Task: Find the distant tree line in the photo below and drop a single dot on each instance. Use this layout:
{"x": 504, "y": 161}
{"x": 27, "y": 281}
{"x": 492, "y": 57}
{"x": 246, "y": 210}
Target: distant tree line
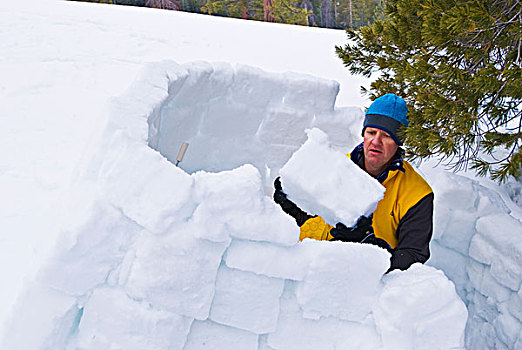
{"x": 339, "y": 14}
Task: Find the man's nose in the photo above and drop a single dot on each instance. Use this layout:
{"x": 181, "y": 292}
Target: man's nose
{"x": 377, "y": 139}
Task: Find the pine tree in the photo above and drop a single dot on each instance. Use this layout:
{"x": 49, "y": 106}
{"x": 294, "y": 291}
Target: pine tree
{"x": 227, "y": 8}
{"x": 458, "y": 65}
{"x": 280, "y": 11}
{"x": 289, "y": 11}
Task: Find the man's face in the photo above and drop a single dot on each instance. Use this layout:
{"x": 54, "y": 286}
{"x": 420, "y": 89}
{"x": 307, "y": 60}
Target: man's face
{"x": 379, "y": 149}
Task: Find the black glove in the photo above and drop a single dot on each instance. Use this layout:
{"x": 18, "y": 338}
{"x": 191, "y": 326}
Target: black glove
{"x": 371, "y": 239}
{"x": 358, "y": 233}
{"x": 362, "y": 232}
{"x": 288, "y": 206}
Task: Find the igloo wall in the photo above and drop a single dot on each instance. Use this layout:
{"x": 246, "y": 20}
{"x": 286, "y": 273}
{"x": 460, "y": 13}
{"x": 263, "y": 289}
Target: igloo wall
{"x": 171, "y": 257}
{"x": 242, "y": 115}
{"x": 477, "y": 244}
{"x": 266, "y": 134}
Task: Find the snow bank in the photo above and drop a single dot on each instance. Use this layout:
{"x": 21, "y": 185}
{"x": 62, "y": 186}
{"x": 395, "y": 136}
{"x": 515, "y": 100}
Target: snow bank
{"x": 200, "y": 256}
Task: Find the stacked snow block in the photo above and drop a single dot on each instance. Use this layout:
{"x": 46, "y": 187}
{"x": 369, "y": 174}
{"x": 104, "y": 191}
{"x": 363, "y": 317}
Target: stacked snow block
{"x": 482, "y": 257}
{"x": 169, "y": 259}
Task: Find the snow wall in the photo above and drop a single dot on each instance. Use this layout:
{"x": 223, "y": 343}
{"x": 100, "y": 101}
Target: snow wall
{"x": 199, "y": 256}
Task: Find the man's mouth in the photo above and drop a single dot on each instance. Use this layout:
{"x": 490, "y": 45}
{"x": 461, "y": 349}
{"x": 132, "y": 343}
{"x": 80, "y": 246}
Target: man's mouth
{"x": 375, "y": 151}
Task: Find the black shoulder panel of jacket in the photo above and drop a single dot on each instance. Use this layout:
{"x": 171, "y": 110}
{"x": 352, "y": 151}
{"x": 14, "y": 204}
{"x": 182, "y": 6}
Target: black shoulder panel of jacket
{"x": 414, "y": 235}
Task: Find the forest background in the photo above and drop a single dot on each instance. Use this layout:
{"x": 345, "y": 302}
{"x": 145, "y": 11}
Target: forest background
{"x": 338, "y": 14}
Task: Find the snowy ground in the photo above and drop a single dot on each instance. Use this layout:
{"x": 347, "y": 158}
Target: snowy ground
{"x": 100, "y": 229}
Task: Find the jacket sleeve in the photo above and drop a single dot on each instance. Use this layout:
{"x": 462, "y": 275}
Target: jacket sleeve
{"x": 414, "y": 235}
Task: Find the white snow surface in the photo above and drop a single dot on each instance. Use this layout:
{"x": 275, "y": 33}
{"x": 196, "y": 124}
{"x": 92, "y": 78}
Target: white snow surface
{"x": 107, "y": 244}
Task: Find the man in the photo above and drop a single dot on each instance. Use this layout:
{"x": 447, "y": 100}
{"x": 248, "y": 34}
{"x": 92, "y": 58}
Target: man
{"x": 403, "y": 220}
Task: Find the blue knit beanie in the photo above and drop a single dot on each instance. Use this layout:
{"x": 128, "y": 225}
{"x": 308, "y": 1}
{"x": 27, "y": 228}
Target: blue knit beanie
{"x": 387, "y": 113}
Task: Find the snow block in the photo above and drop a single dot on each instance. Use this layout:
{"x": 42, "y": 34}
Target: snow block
{"x": 414, "y": 309}
{"x": 112, "y": 320}
{"x": 484, "y": 307}
{"x": 322, "y": 181}
{"x": 341, "y": 282}
{"x": 247, "y": 301}
{"x": 176, "y": 272}
{"x": 234, "y": 193}
{"x": 90, "y": 252}
{"x": 490, "y": 202}
{"x": 130, "y": 110}
{"x": 284, "y": 126}
{"x": 269, "y": 259}
{"x": 301, "y": 87}
{"x": 481, "y": 334}
{"x": 502, "y": 237}
{"x": 233, "y": 203}
{"x": 508, "y": 329}
{"x": 297, "y": 333}
{"x": 273, "y": 225}
{"x": 241, "y": 119}
{"x": 515, "y": 305}
{"x": 277, "y": 156}
{"x": 343, "y": 125}
{"x": 214, "y": 336}
{"x": 257, "y": 88}
{"x": 454, "y": 265}
{"x": 455, "y": 190}
{"x": 496, "y": 246}
{"x": 455, "y": 228}
{"x": 147, "y": 187}
{"x": 204, "y": 82}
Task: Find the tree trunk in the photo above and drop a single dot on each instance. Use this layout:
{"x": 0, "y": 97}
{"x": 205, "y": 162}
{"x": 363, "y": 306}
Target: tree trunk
{"x": 267, "y": 10}
{"x": 163, "y": 4}
{"x": 308, "y": 6}
{"x": 244, "y": 9}
{"x": 326, "y": 14}
{"x": 350, "y": 13}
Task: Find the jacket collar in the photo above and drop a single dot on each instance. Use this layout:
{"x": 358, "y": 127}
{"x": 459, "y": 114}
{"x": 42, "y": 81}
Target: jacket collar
{"x": 357, "y": 156}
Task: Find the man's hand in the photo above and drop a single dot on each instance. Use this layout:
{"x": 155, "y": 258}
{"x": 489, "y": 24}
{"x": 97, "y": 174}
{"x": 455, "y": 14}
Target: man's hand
{"x": 279, "y": 195}
{"x": 362, "y": 232}
{"x": 358, "y": 233}
{"x": 287, "y": 205}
